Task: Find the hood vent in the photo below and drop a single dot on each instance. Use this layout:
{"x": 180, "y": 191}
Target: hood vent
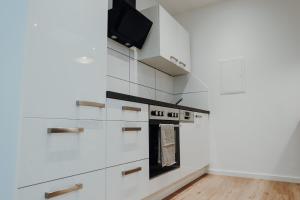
{"x": 127, "y": 25}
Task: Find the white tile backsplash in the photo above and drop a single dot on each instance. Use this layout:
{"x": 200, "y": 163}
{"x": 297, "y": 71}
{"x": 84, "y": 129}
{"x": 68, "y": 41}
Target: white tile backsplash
{"x": 164, "y": 82}
{"x": 117, "y": 47}
{"x": 117, "y": 85}
{"x": 128, "y": 76}
{"x": 197, "y": 100}
{"x": 141, "y": 91}
{"x": 165, "y": 97}
{"x": 187, "y": 84}
{"x": 142, "y": 74}
{"x": 118, "y": 65}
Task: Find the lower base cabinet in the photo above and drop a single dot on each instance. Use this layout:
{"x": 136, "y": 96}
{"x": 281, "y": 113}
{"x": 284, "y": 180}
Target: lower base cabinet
{"x": 90, "y": 186}
{"x": 128, "y": 182}
{"x": 194, "y": 144}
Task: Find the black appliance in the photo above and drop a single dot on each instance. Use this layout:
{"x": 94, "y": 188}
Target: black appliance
{"x": 127, "y": 25}
{"x": 162, "y": 115}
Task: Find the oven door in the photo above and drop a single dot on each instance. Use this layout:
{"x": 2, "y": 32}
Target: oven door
{"x": 155, "y": 167}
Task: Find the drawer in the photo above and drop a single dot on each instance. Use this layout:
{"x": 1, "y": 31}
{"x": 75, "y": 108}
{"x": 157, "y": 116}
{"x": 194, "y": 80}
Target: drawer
{"x": 47, "y": 156}
{"x": 84, "y": 187}
{"x": 126, "y": 142}
{"x": 66, "y": 106}
{"x": 128, "y": 182}
{"x": 128, "y": 111}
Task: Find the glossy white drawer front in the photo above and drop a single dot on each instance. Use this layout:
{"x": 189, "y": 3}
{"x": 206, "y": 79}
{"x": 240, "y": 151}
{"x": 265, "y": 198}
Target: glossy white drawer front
{"x": 126, "y": 142}
{"x": 65, "y": 58}
{"x": 47, "y": 156}
{"x": 128, "y": 182}
{"x": 127, "y": 111}
{"x": 89, "y": 186}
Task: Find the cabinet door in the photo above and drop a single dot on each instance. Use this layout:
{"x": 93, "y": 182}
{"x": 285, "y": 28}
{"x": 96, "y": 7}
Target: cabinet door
{"x": 188, "y": 148}
{"x": 201, "y": 131}
{"x": 89, "y": 186}
{"x": 128, "y": 182}
{"x": 75, "y": 147}
{"x": 130, "y": 142}
{"x": 194, "y": 144}
{"x": 65, "y": 59}
{"x": 184, "y": 52}
{"x": 168, "y": 36}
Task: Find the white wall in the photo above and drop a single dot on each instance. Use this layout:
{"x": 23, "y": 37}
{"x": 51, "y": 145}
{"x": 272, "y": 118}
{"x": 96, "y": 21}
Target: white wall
{"x": 259, "y": 131}
{"x": 12, "y": 23}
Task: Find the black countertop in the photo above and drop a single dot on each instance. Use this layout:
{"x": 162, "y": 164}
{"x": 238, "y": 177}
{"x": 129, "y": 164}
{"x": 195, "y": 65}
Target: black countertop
{"x": 125, "y": 97}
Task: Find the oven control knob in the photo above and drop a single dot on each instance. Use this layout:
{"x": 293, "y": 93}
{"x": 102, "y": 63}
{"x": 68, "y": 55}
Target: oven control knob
{"x": 177, "y": 115}
{"x": 154, "y": 113}
{"x": 162, "y": 113}
{"x": 169, "y": 114}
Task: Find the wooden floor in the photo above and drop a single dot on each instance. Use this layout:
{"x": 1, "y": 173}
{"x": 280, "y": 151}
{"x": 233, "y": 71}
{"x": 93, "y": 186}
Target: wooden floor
{"x": 213, "y": 187}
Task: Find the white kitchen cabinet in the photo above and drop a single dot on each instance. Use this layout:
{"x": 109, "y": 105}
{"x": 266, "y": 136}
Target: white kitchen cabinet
{"x": 167, "y": 47}
{"x": 128, "y": 142}
{"x": 126, "y": 111}
{"x": 194, "y": 144}
{"x": 65, "y": 58}
{"x": 84, "y": 187}
{"x": 77, "y": 146}
{"x": 128, "y": 182}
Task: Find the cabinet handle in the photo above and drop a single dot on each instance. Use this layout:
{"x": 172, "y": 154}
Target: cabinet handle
{"x": 198, "y": 116}
{"x": 131, "y": 171}
{"x": 181, "y": 63}
{"x": 90, "y": 104}
{"x": 172, "y": 57}
{"x": 62, "y": 192}
{"x": 65, "y": 130}
{"x": 127, "y": 108}
{"x": 125, "y": 129}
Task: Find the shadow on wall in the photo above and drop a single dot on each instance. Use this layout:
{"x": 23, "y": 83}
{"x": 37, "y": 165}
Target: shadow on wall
{"x": 193, "y": 91}
{"x": 289, "y": 162}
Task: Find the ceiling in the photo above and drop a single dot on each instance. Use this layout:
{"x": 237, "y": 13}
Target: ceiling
{"x": 180, "y": 6}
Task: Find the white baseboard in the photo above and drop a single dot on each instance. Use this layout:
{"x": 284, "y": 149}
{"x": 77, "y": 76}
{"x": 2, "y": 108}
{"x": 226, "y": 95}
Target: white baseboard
{"x": 262, "y": 176}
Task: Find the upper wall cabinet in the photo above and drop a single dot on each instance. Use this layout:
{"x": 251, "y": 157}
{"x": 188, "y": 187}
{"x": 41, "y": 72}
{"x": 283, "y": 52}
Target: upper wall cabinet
{"x": 65, "y": 59}
{"x": 167, "y": 47}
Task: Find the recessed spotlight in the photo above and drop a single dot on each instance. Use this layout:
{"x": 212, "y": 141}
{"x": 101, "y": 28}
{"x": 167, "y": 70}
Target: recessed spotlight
{"x": 127, "y": 44}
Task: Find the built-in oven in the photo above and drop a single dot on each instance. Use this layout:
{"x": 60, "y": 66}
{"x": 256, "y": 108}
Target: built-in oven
{"x": 159, "y": 116}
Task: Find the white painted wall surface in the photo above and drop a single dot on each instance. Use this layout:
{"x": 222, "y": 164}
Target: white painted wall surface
{"x": 256, "y": 133}
{"x": 12, "y": 21}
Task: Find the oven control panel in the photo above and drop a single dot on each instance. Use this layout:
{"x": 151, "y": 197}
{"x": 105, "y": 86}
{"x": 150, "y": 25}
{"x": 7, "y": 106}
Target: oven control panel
{"x": 186, "y": 116}
{"x": 163, "y": 113}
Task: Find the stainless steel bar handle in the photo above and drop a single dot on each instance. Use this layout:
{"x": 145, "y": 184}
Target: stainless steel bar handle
{"x": 90, "y": 104}
{"x": 175, "y": 126}
{"x": 183, "y": 64}
{"x": 50, "y": 195}
{"x": 65, "y": 130}
{"x": 125, "y": 129}
{"x": 131, "y": 171}
{"x": 172, "y": 57}
{"x": 198, "y": 116}
{"x": 128, "y": 108}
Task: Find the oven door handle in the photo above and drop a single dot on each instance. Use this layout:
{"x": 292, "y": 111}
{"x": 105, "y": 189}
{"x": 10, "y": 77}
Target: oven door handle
{"x": 175, "y": 126}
